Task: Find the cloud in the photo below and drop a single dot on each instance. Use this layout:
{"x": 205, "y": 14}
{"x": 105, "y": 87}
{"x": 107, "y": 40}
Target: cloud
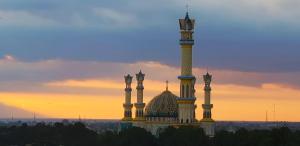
{"x": 67, "y": 89}
{"x": 9, "y": 112}
{"x": 116, "y": 13}
{"x": 234, "y": 102}
{"x": 68, "y": 49}
{"x": 65, "y": 105}
{"x": 91, "y": 76}
{"x": 269, "y": 11}
{"x": 229, "y": 34}
{"x": 7, "y": 58}
{"x": 23, "y": 18}
{"x": 115, "y": 19}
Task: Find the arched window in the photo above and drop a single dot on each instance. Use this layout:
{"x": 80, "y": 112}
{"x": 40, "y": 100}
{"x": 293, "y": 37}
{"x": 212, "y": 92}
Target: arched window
{"x": 182, "y": 91}
{"x": 187, "y": 120}
{"x": 187, "y": 91}
{"x": 181, "y": 121}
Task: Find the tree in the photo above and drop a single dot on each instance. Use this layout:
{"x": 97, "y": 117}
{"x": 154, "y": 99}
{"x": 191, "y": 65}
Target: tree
{"x": 183, "y": 136}
{"x": 136, "y": 137}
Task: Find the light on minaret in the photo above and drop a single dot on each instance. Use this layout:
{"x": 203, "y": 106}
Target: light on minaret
{"x": 128, "y": 105}
{"x": 186, "y": 101}
{"x": 139, "y": 105}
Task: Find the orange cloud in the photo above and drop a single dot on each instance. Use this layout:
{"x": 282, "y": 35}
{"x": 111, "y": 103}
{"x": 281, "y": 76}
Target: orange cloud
{"x": 151, "y": 85}
{"x": 107, "y": 84}
{"x": 64, "y": 106}
{"x": 231, "y": 102}
{"x": 99, "y": 93}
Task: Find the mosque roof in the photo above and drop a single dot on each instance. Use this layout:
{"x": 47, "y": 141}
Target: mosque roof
{"x": 163, "y": 105}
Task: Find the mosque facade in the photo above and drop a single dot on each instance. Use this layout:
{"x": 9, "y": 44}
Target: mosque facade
{"x": 168, "y": 109}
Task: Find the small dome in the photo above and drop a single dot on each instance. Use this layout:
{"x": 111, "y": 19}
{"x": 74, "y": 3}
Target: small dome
{"x": 163, "y": 105}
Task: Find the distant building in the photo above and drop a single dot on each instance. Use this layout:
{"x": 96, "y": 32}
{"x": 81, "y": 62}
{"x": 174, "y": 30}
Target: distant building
{"x": 168, "y": 109}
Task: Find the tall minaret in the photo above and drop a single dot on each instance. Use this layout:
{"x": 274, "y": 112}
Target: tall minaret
{"x": 207, "y": 106}
{"x": 139, "y": 105}
{"x": 186, "y": 101}
{"x": 207, "y": 123}
{"x": 128, "y": 105}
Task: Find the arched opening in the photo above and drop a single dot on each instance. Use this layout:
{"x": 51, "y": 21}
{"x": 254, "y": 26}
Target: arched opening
{"x": 187, "y": 91}
{"x": 182, "y": 91}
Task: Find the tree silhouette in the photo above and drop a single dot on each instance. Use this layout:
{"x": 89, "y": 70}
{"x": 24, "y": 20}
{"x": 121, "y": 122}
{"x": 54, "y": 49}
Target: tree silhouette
{"x": 183, "y": 136}
{"x": 77, "y": 134}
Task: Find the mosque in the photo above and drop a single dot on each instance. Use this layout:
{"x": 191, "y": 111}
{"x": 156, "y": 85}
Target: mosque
{"x": 168, "y": 109}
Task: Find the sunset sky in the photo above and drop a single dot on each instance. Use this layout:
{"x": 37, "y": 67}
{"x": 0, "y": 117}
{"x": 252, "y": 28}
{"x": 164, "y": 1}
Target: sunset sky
{"x": 65, "y": 59}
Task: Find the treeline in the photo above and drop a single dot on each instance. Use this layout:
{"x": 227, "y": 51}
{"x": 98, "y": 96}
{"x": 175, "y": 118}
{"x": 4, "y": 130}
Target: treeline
{"x": 78, "y": 135}
{"x": 48, "y": 135}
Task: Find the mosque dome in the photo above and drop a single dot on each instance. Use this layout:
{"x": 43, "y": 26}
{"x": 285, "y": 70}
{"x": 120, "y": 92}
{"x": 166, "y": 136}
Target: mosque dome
{"x": 163, "y": 105}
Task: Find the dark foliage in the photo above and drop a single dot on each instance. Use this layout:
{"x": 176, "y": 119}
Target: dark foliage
{"x": 50, "y": 135}
{"x": 78, "y": 135}
{"x": 183, "y": 136}
{"x": 130, "y": 137}
{"x": 275, "y": 137}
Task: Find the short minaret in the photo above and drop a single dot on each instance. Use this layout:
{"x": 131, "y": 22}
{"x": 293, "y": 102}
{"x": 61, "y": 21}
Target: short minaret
{"x": 186, "y": 101}
{"x": 207, "y": 106}
{"x": 207, "y": 122}
{"x": 139, "y": 105}
{"x": 128, "y": 105}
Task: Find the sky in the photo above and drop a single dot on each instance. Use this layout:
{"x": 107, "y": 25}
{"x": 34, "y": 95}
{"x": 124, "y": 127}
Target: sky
{"x": 65, "y": 59}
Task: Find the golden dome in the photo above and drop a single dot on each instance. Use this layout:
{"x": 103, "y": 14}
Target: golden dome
{"x": 163, "y": 105}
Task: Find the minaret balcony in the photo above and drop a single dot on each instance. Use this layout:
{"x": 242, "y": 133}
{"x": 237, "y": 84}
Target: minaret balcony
{"x": 186, "y": 77}
{"x": 207, "y": 106}
{"x": 207, "y": 88}
{"x": 186, "y": 42}
{"x": 186, "y": 100}
{"x": 126, "y": 105}
{"x": 139, "y": 105}
{"x": 140, "y": 87}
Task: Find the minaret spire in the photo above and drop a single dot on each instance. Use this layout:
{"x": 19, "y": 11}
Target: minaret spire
{"x": 167, "y": 85}
{"x": 187, "y": 8}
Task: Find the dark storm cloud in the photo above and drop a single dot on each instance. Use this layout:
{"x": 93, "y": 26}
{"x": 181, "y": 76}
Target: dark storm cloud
{"x": 229, "y": 35}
